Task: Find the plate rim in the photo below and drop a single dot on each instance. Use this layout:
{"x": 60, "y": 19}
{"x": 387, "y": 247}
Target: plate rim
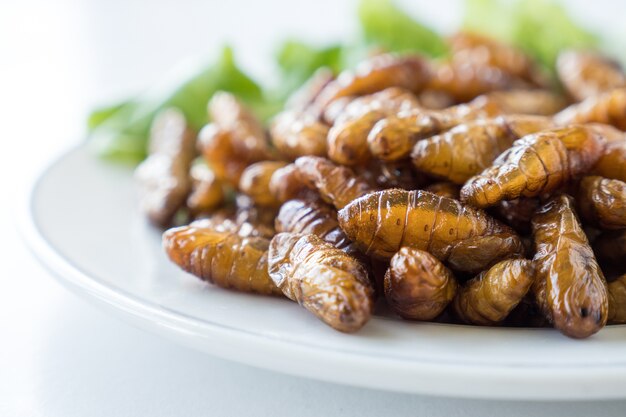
{"x": 144, "y": 314}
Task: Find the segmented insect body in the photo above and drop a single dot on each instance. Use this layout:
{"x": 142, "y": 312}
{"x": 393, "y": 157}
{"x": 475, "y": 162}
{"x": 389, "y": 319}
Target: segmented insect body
{"x": 468, "y": 239}
{"x": 298, "y": 216}
{"x": 323, "y": 279}
{"x": 524, "y": 101}
{"x": 216, "y": 146}
{"x": 586, "y": 74}
{"x": 612, "y": 163}
{"x": 297, "y": 134}
{"x": 608, "y": 108}
{"x": 417, "y": 285}
{"x": 536, "y": 164}
{"x": 376, "y": 74}
{"x": 491, "y": 296}
{"x": 571, "y": 285}
{"x": 286, "y": 184}
{"x": 617, "y": 300}
{"x": 223, "y": 258}
{"x": 255, "y": 182}
{"x": 336, "y": 185}
{"x": 467, "y": 149}
{"x": 602, "y": 202}
{"x": 393, "y": 137}
{"x": 207, "y": 192}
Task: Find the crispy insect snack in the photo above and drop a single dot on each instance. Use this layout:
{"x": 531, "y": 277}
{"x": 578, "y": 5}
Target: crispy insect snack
{"x": 602, "y": 202}
{"x": 376, "y": 74}
{"x": 164, "y": 176}
{"x": 608, "y": 108}
{"x": 393, "y": 137}
{"x": 323, "y": 279}
{"x": 586, "y": 74}
{"x": 255, "y": 182}
{"x": 469, "y": 148}
{"x": 536, "y": 164}
{"x": 612, "y": 163}
{"x": 571, "y": 285}
{"x": 260, "y": 217}
{"x": 297, "y": 134}
{"x": 444, "y": 189}
{"x": 207, "y": 192}
{"x": 247, "y": 133}
{"x": 286, "y": 184}
{"x": 336, "y": 185}
{"x": 223, "y": 258}
{"x": 489, "y": 298}
{"x": 617, "y": 300}
{"x": 216, "y": 147}
{"x": 298, "y": 216}
{"x": 417, "y": 285}
{"x": 523, "y": 101}
{"x": 468, "y": 239}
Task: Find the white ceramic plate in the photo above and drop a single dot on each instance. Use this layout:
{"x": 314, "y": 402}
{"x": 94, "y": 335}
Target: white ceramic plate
{"x": 81, "y": 221}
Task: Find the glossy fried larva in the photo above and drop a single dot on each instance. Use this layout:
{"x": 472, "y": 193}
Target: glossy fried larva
{"x": 617, "y": 300}
{"x": 255, "y": 182}
{"x": 602, "y": 202}
{"x": 382, "y": 222}
{"x": 608, "y": 108}
{"x": 586, "y": 74}
{"x": 489, "y": 298}
{"x": 397, "y": 174}
{"x": 225, "y": 161}
{"x": 612, "y": 163}
{"x": 302, "y": 99}
{"x": 469, "y": 148}
{"x": 417, "y": 285}
{"x": 347, "y": 139}
{"x": 247, "y": 132}
{"x": 309, "y": 217}
{"x": 323, "y": 279}
{"x": 393, "y": 137}
{"x": 297, "y": 134}
{"x": 517, "y": 213}
{"x": 610, "y": 247}
{"x": 164, "y": 176}
{"x": 207, "y": 192}
{"x": 483, "y": 50}
{"x": 223, "y": 258}
{"x": 376, "y": 74}
{"x": 286, "y": 184}
{"x": 537, "y": 102}
{"x": 336, "y": 185}
{"x": 259, "y": 217}
{"x": 444, "y": 189}
{"x": 536, "y": 164}
{"x": 575, "y": 295}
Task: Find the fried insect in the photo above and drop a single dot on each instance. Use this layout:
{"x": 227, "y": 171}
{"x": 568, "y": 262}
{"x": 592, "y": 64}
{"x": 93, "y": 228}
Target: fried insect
{"x": 489, "y": 298}
{"x": 397, "y": 174}
{"x": 468, "y": 239}
{"x": 612, "y": 163}
{"x": 286, "y": 184}
{"x": 469, "y": 148}
{"x": 571, "y": 285}
{"x": 444, "y": 189}
{"x": 608, "y": 108}
{"x": 617, "y": 300}
{"x": 207, "y": 192}
{"x": 255, "y": 182}
{"x": 299, "y": 216}
{"x": 517, "y": 213}
{"x": 602, "y": 202}
{"x": 417, "y": 285}
{"x": 586, "y": 74}
{"x": 164, "y": 176}
{"x": 537, "y": 102}
{"x": 216, "y": 147}
{"x": 259, "y": 217}
{"x": 297, "y": 134}
{"x": 536, "y": 164}
{"x": 393, "y": 137}
{"x": 247, "y": 133}
{"x": 336, "y": 185}
{"x": 323, "y": 279}
{"x": 223, "y": 258}
{"x": 482, "y": 50}
{"x": 376, "y": 74}
{"x": 347, "y": 139}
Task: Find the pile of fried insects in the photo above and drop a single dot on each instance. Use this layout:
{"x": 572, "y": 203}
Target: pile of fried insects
{"x": 471, "y": 190}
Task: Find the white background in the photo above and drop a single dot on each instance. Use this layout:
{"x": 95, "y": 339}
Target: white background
{"x": 60, "y": 356}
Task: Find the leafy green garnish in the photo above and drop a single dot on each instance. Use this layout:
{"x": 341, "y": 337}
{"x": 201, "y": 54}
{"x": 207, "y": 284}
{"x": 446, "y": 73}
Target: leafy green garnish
{"x": 121, "y": 133}
{"x": 385, "y": 25}
{"x": 542, "y": 28}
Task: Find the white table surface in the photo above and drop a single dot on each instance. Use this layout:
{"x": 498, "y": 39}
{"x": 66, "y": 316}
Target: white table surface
{"x": 59, "y": 356}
